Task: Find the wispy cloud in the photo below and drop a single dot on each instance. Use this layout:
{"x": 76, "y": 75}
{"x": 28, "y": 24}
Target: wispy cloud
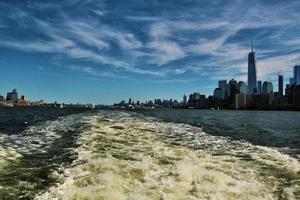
{"x": 209, "y": 40}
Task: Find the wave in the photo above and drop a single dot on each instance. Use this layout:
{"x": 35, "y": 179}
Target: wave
{"x": 30, "y": 159}
{"x": 130, "y": 156}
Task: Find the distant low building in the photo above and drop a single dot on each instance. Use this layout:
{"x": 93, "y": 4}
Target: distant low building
{"x": 22, "y": 102}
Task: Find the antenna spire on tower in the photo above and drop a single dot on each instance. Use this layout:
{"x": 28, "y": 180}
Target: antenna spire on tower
{"x": 252, "y": 45}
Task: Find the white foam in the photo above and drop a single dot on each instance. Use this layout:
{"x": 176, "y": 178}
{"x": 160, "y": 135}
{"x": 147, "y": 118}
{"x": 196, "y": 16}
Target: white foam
{"x": 125, "y": 157}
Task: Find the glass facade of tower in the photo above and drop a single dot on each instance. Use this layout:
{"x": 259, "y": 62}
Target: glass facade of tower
{"x": 252, "y": 80}
{"x": 223, "y": 86}
{"x": 297, "y": 74}
{"x": 259, "y": 85}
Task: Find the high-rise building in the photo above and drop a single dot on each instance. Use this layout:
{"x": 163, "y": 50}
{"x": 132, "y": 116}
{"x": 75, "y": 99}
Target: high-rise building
{"x": 280, "y": 85}
{"x": 12, "y": 96}
{"x": 292, "y": 81}
{"x": 196, "y": 100}
{"x": 218, "y": 93}
{"x": 267, "y": 87}
{"x": 232, "y": 91}
{"x": 259, "y": 87}
{"x": 223, "y": 87}
{"x": 252, "y": 80}
{"x": 297, "y": 74}
{"x": 129, "y": 101}
{"x": 242, "y": 87}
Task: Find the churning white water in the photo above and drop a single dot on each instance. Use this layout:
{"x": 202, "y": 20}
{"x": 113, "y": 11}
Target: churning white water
{"x": 127, "y": 156}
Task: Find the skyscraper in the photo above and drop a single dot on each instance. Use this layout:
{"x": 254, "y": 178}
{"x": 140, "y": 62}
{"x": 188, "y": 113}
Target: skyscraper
{"x": 259, "y": 85}
{"x": 252, "y": 80}
{"x": 242, "y": 87}
{"x": 297, "y": 75}
{"x": 223, "y": 86}
{"x": 232, "y": 90}
{"x": 292, "y": 81}
{"x": 218, "y": 93}
{"x": 280, "y": 85}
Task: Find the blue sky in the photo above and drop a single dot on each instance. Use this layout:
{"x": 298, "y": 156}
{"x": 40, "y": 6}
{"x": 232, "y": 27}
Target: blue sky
{"x": 103, "y": 51}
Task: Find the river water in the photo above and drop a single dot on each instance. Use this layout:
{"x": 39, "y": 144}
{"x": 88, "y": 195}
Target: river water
{"x": 153, "y": 154}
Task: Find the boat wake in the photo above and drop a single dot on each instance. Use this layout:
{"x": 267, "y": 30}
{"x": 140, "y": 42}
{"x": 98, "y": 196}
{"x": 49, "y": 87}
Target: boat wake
{"x": 129, "y": 156}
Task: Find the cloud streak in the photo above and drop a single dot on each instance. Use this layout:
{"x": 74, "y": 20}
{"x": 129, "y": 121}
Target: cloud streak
{"x": 116, "y": 41}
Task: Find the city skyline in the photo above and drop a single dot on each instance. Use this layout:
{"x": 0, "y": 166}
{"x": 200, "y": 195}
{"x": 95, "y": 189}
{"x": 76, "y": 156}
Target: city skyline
{"x": 101, "y": 52}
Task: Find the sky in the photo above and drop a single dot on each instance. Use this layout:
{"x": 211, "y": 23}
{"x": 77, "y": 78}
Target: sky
{"x": 104, "y": 51}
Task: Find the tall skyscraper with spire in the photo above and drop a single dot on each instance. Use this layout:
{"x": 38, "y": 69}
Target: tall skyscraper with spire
{"x": 252, "y": 79}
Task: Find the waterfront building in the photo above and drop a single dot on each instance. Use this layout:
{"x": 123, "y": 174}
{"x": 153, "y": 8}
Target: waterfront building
{"x": 223, "y": 86}
{"x": 267, "y": 87}
{"x": 242, "y": 87}
{"x": 12, "y": 96}
{"x": 280, "y": 85}
{"x": 259, "y": 85}
{"x": 252, "y": 79}
{"x": 297, "y": 74}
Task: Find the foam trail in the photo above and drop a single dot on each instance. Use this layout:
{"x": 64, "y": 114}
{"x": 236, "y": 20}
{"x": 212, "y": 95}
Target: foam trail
{"x": 28, "y": 157}
{"x": 128, "y": 157}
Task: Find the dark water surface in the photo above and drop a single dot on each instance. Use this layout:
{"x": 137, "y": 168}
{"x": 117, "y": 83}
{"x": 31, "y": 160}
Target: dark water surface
{"x": 34, "y": 142}
{"x": 266, "y": 128}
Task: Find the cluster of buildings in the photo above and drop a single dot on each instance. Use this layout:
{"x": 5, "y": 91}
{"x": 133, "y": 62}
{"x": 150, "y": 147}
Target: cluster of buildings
{"x": 12, "y": 99}
{"x": 257, "y": 94}
{"x": 157, "y": 103}
{"x": 235, "y": 94}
